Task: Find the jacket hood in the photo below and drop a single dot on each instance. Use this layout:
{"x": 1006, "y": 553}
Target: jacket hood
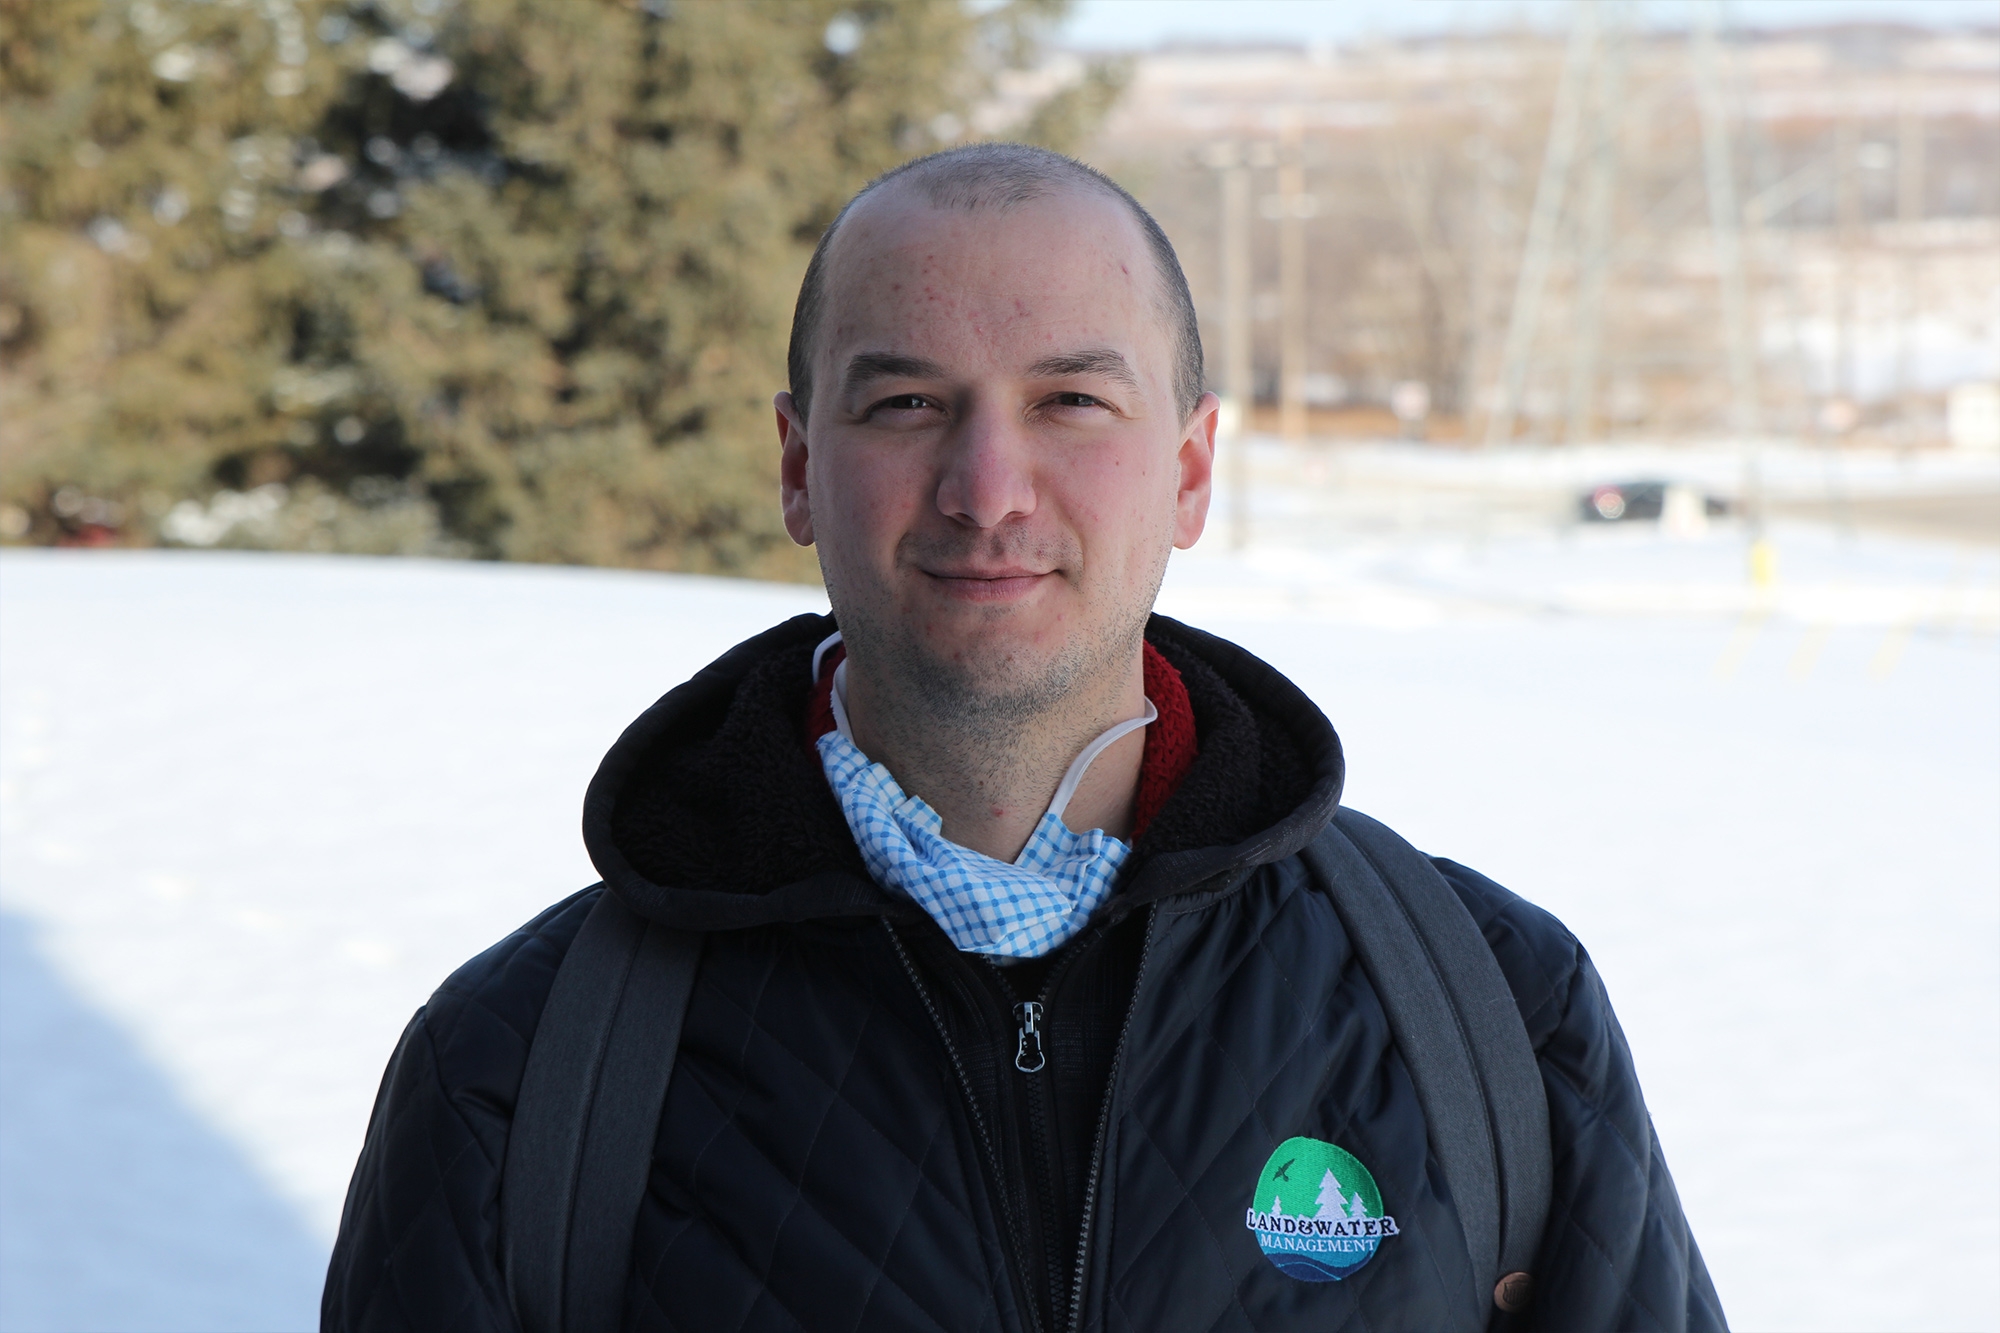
{"x": 712, "y": 813}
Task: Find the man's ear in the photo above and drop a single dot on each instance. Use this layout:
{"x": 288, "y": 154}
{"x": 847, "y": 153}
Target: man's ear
{"x": 795, "y": 496}
{"x": 1197, "y": 465}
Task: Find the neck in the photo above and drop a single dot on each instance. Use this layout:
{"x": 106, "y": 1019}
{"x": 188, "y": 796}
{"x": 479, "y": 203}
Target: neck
{"x": 990, "y": 779}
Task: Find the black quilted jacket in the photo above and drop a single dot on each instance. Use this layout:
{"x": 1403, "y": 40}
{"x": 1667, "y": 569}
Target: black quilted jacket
{"x": 848, "y": 1142}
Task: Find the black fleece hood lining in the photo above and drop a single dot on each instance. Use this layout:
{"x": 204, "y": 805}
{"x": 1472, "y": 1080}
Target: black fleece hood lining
{"x": 712, "y": 813}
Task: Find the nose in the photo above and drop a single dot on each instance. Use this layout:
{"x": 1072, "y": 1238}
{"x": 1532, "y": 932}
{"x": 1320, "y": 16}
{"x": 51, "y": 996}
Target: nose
{"x": 988, "y": 470}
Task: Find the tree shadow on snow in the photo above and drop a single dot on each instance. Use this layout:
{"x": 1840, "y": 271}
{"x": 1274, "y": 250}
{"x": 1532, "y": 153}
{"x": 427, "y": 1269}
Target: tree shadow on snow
{"x": 119, "y": 1208}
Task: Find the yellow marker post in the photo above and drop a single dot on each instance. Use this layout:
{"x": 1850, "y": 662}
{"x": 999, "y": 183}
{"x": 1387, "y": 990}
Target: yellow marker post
{"x": 1763, "y": 563}
{"x": 1763, "y": 582}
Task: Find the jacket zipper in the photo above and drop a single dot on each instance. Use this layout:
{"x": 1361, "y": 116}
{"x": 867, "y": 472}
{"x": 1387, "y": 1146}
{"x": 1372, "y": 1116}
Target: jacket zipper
{"x": 1088, "y": 1216}
{"x": 1029, "y": 1305}
{"x": 1028, "y": 1057}
{"x": 1039, "y": 1154}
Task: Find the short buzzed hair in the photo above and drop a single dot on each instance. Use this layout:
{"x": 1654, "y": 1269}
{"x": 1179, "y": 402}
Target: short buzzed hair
{"x": 1003, "y": 175}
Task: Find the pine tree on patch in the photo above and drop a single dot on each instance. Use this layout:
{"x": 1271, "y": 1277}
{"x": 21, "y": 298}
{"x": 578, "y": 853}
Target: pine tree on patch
{"x": 1329, "y": 1200}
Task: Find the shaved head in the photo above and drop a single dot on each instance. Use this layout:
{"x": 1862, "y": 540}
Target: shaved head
{"x": 1002, "y": 176}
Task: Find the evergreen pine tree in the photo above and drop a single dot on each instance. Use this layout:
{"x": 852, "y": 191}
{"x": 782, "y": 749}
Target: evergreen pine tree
{"x": 509, "y": 278}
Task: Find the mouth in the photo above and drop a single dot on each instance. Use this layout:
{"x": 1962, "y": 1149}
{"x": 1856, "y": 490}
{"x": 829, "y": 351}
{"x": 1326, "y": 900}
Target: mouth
{"x": 988, "y": 585}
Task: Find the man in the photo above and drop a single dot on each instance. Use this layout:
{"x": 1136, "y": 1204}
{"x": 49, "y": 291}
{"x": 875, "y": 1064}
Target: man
{"x": 1022, "y": 1001}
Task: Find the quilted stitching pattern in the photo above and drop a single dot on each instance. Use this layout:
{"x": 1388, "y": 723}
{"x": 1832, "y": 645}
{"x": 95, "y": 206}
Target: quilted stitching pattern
{"x": 1171, "y": 1247}
{"x": 1290, "y": 1040}
{"x": 419, "y": 1234}
{"x": 816, "y": 1168}
{"x": 1617, "y": 1253}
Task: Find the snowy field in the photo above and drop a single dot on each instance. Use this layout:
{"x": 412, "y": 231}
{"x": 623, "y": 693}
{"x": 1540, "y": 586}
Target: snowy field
{"x": 253, "y": 808}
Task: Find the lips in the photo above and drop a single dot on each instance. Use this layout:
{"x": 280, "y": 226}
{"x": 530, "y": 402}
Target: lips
{"x": 988, "y": 584}
{"x": 1011, "y": 572}
{"x": 979, "y": 567}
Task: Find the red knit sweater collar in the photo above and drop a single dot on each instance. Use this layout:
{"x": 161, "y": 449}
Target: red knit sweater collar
{"x": 1170, "y": 741}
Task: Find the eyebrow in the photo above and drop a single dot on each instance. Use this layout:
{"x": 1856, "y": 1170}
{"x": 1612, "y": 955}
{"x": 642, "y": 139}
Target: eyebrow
{"x": 866, "y": 366}
{"x": 1090, "y": 361}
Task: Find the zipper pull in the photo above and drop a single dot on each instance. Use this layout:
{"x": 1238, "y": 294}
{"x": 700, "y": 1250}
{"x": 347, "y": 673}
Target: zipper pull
{"x": 1028, "y": 1057}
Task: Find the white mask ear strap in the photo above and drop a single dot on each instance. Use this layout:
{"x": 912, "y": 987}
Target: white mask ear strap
{"x": 839, "y": 699}
{"x": 819, "y": 653}
{"x": 1073, "y": 778}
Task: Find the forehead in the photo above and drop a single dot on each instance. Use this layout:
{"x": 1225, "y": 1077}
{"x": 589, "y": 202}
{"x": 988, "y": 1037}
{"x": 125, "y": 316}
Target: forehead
{"x": 1072, "y": 264}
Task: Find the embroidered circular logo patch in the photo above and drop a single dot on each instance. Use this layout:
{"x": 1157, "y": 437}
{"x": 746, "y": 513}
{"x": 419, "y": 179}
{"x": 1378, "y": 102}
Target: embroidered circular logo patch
{"x": 1317, "y": 1214}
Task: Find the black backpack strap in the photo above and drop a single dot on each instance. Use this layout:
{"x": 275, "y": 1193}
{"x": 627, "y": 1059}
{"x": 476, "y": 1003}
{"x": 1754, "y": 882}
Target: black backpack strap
{"x": 1456, "y": 1022}
{"x": 581, "y": 1145}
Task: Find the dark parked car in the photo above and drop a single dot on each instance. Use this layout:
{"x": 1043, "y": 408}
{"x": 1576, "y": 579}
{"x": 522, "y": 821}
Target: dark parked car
{"x": 1617, "y": 501}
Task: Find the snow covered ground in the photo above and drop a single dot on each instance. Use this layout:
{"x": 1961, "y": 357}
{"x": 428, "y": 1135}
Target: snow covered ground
{"x": 253, "y": 808}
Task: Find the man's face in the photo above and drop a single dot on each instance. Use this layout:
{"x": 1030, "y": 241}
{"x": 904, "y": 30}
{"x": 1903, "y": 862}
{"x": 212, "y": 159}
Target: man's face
{"x": 994, "y": 469}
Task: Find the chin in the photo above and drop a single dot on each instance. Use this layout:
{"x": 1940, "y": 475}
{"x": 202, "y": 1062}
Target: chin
{"x": 1001, "y": 667}
{"x": 995, "y": 650}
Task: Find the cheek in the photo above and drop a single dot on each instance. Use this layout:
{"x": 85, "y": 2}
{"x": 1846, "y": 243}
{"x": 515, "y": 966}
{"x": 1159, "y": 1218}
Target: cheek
{"x": 864, "y": 499}
{"x": 1124, "y": 497}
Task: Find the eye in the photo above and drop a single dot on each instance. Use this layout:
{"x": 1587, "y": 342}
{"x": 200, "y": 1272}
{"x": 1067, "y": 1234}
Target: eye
{"x": 1076, "y": 400}
{"x": 901, "y": 402}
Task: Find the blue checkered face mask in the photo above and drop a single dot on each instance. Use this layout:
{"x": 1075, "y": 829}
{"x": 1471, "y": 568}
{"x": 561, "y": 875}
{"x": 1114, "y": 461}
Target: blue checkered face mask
{"x": 1021, "y": 909}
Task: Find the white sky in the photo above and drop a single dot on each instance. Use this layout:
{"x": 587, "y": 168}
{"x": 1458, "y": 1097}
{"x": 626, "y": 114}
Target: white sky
{"x": 1140, "y": 24}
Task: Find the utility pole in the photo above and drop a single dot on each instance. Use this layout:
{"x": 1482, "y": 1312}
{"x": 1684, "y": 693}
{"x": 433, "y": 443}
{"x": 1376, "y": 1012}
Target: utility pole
{"x": 1599, "y": 189}
{"x": 1293, "y": 204}
{"x": 1236, "y": 373}
{"x": 1540, "y": 248}
{"x": 1845, "y": 201}
{"x": 1909, "y": 212}
{"x": 1725, "y": 224}
{"x": 1472, "y": 374}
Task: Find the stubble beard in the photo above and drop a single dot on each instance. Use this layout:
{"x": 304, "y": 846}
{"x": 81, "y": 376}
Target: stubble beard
{"x": 986, "y": 694}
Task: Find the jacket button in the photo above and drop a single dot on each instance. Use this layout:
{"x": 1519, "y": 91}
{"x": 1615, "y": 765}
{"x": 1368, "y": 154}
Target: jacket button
{"x": 1511, "y": 1293}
